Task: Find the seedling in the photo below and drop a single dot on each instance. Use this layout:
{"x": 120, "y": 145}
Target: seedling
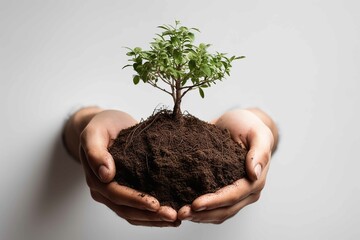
{"x": 176, "y": 66}
{"x": 174, "y": 157}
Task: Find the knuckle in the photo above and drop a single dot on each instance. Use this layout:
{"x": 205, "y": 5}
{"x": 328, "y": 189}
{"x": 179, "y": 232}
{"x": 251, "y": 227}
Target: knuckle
{"x": 260, "y": 186}
{"x": 234, "y": 195}
{"x": 265, "y": 157}
{"x": 111, "y": 195}
{"x": 233, "y": 199}
{"x": 91, "y": 153}
{"x": 257, "y": 197}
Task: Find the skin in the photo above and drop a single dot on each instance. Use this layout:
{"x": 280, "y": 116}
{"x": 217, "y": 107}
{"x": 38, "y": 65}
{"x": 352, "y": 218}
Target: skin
{"x": 91, "y": 130}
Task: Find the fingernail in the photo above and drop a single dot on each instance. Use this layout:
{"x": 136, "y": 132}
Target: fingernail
{"x": 200, "y": 209}
{"x": 103, "y": 173}
{"x": 258, "y": 170}
{"x": 189, "y": 218}
{"x": 151, "y": 209}
{"x": 167, "y": 219}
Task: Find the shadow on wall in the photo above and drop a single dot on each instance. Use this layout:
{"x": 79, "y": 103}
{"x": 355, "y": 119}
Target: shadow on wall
{"x": 56, "y": 197}
{"x": 49, "y": 202}
{"x": 60, "y": 181}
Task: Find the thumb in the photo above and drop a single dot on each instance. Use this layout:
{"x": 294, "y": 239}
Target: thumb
{"x": 97, "y": 155}
{"x": 102, "y": 164}
{"x": 258, "y": 157}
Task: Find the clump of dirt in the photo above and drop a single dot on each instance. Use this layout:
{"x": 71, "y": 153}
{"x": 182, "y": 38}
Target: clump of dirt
{"x": 177, "y": 160}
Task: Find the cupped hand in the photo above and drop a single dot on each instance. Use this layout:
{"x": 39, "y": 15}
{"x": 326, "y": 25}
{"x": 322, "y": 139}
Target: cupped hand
{"x": 254, "y": 130}
{"x": 99, "y": 168}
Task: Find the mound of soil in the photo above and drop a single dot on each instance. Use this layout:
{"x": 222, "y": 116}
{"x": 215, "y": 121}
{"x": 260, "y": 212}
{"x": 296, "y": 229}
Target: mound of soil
{"x": 177, "y": 161}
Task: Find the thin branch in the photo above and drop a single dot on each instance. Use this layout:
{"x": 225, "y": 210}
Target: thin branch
{"x": 189, "y": 89}
{"x": 162, "y": 89}
{"x": 173, "y": 88}
{"x": 198, "y": 84}
{"x": 195, "y": 86}
{"x": 167, "y": 81}
{"x": 173, "y": 92}
{"x": 158, "y": 73}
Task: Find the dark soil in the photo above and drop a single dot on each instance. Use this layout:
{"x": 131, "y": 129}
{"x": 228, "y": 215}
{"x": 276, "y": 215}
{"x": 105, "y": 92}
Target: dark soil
{"x": 177, "y": 161}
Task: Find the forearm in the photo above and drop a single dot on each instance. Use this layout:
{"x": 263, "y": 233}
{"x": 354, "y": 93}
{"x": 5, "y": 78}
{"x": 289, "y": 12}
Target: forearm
{"x": 267, "y": 120}
{"x": 74, "y": 127}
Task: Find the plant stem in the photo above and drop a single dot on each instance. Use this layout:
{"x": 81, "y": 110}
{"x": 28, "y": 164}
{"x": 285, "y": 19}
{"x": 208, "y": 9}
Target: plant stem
{"x": 177, "y": 102}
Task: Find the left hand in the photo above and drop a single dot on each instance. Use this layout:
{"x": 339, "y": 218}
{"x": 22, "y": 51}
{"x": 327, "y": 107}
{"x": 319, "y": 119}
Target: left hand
{"x": 92, "y": 130}
{"x": 248, "y": 128}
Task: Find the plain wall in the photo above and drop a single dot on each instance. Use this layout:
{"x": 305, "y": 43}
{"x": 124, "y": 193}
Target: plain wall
{"x": 302, "y": 67}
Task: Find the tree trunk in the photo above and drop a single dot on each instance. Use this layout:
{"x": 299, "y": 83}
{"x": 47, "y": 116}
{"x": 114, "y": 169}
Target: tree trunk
{"x": 177, "y": 110}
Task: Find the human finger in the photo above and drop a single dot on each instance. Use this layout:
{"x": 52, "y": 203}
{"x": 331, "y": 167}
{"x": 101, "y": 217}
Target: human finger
{"x": 155, "y": 224}
{"x": 94, "y": 142}
{"x": 164, "y": 213}
{"x": 260, "y": 144}
{"x": 118, "y": 194}
{"x": 231, "y": 194}
{"x": 226, "y": 196}
{"x": 218, "y": 215}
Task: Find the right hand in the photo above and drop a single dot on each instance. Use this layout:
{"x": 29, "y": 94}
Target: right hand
{"x": 99, "y": 167}
{"x": 256, "y": 131}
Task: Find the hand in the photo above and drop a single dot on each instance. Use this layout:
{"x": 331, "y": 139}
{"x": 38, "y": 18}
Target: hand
{"x": 99, "y": 130}
{"x": 256, "y": 131}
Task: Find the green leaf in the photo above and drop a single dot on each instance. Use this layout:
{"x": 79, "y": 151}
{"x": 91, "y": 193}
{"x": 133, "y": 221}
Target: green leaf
{"x": 183, "y": 82}
{"x": 225, "y": 64}
{"x": 136, "y": 79}
{"x": 167, "y": 33}
{"x": 173, "y": 72}
{"x": 202, "y": 46}
{"x": 135, "y": 66}
{"x": 192, "y": 65}
{"x": 173, "y": 56}
{"x": 130, "y": 53}
{"x": 191, "y": 36}
{"x": 201, "y": 92}
{"x": 138, "y": 60}
{"x": 137, "y": 50}
{"x": 163, "y": 27}
{"x": 174, "y": 40}
{"x": 206, "y": 70}
{"x": 127, "y": 65}
{"x": 183, "y": 29}
{"x": 195, "y": 29}
{"x": 162, "y": 38}
{"x": 177, "y": 56}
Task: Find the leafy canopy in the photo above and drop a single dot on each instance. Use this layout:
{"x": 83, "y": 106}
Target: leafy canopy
{"x": 175, "y": 61}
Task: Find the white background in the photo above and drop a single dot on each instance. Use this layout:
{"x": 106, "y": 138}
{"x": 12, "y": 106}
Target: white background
{"x": 302, "y": 67}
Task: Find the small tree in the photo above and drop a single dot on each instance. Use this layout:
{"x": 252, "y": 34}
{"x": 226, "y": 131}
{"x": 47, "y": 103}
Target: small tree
{"x": 176, "y": 66}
